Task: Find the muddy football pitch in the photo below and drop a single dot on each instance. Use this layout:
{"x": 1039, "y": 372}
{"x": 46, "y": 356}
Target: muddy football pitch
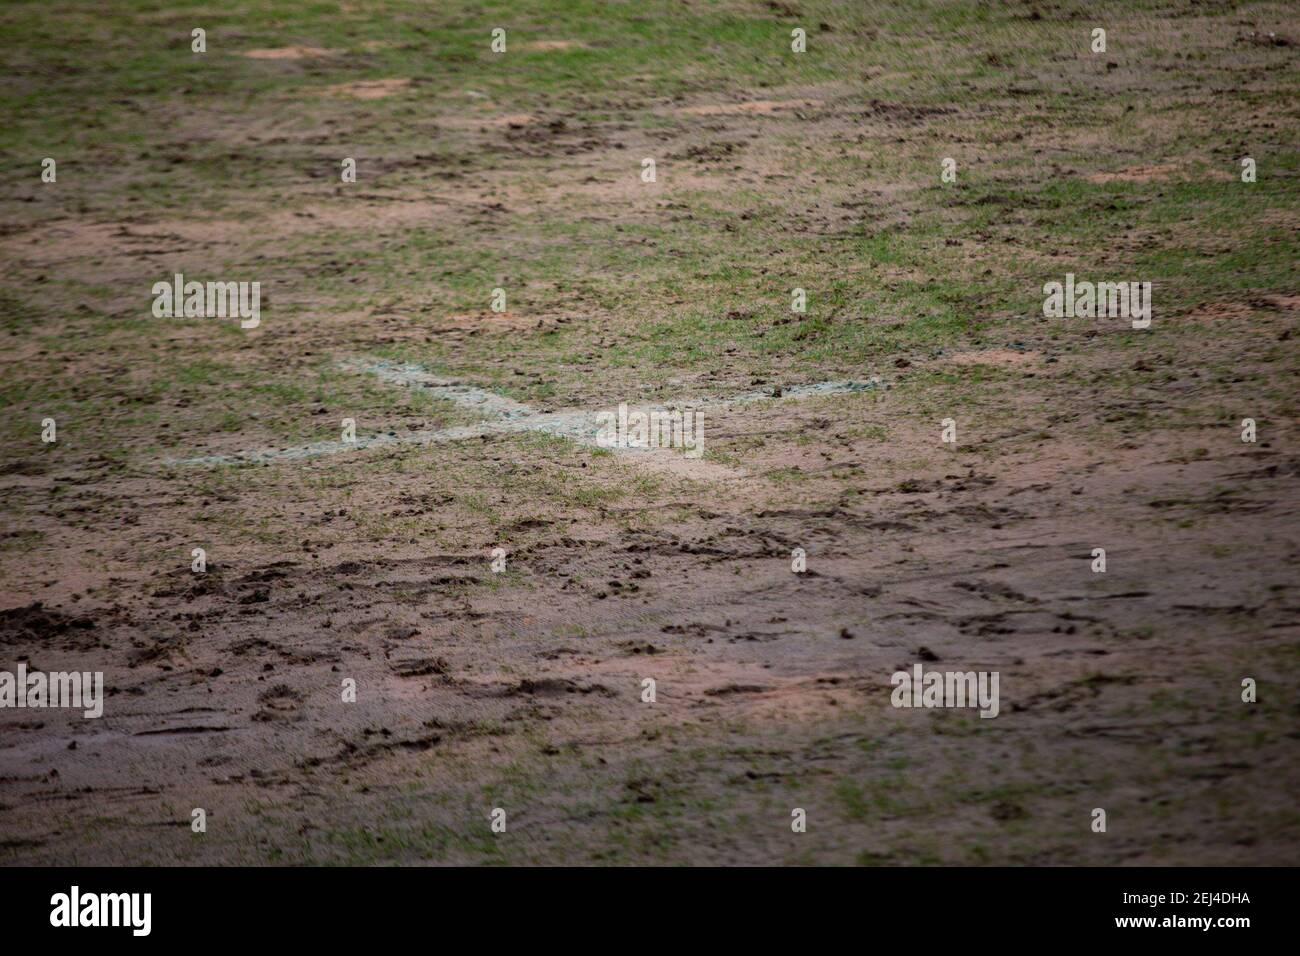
{"x": 710, "y": 432}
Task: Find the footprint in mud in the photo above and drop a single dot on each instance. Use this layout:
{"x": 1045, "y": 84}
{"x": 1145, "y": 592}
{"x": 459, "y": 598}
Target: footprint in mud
{"x": 36, "y": 624}
{"x": 354, "y": 755}
{"x": 186, "y": 585}
{"x": 420, "y": 667}
{"x": 991, "y": 589}
{"x": 694, "y": 629}
{"x": 639, "y": 647}
{"x": 26, "y": 467}
{"x": 554, "y": 687}
{"x": 280, "y": 702}
{"x": 158, "y": 652}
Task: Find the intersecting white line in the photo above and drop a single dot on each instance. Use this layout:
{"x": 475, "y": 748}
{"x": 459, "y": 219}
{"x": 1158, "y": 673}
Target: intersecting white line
{"x": 505, "y": 415}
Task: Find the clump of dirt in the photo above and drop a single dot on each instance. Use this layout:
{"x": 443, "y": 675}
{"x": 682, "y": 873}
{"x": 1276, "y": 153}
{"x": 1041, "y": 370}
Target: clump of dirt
{"x": 714, "y": 152}
{"x": 905, "y": 112}
{"x": 37, "y": 624}
{"x": 559, "y": 136}
{"x": 555, "y": 687}
{"x": 190, "y": 585}
{"x": 1265, "y": 38}
{"x": 421, "y": 667}
{"x": 27, "y": 467}
{"x": 488, "y": 321}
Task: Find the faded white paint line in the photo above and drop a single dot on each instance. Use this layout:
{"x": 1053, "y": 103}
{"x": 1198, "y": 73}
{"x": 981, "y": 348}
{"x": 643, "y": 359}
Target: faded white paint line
{"x": 508, "y": 415}
{"x": 410, "y": 375}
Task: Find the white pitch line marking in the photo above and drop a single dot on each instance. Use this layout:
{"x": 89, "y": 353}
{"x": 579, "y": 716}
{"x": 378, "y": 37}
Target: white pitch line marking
{"x": 505, "y": 415}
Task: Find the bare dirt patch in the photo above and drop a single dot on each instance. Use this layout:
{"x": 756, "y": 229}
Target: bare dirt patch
{"x": 1222, "y": 311}
{"x": 1242, "y": 310}
{"x": 488, "y": 321}
{"x": 286, "y": 53}
{"x": 72, "y": 239}
{"x": 370, "y": 89}
{"x": 750, "y": 108}
{"x": 1004, "y": 358}
{"x": 550, "y": 45}
{"x": 1135, "y": 174}
{"x": 515, "y": 119}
